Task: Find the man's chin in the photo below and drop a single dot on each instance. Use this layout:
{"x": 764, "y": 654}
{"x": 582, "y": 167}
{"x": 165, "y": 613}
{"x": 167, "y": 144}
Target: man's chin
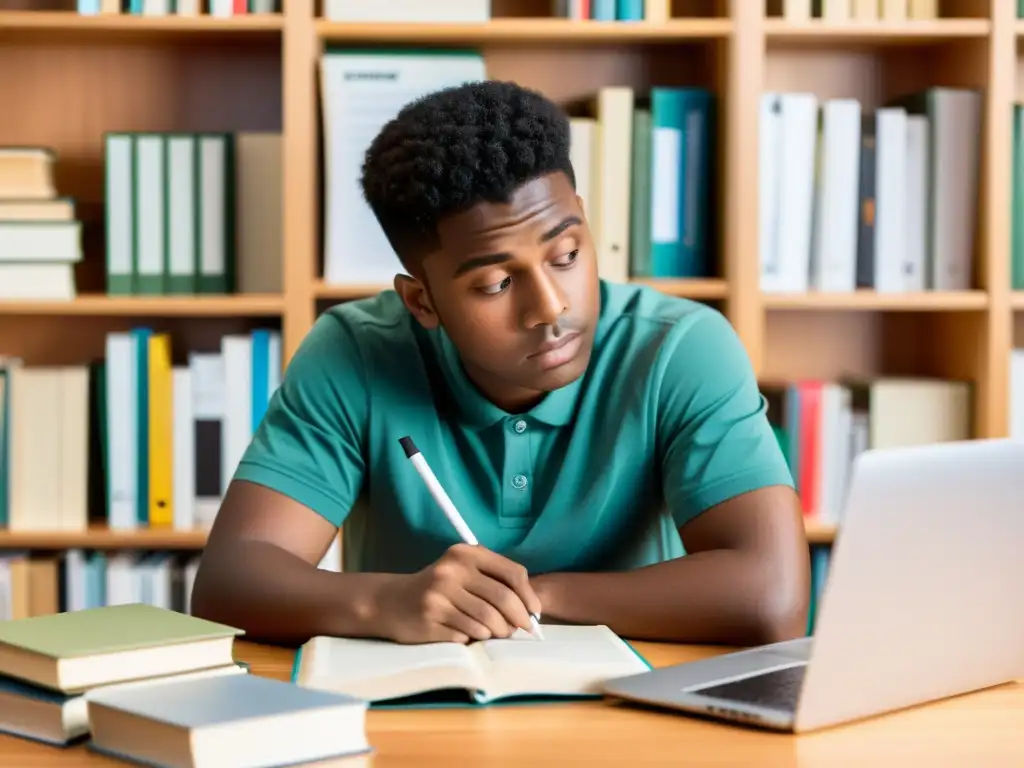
{"x": 562, "y": 376}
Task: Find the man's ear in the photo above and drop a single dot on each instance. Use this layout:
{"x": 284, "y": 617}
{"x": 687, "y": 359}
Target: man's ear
{"x": 417, "y": 300}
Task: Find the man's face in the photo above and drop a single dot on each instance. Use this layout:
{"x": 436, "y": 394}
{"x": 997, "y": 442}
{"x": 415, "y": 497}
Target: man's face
{"x": 515, "y": 287}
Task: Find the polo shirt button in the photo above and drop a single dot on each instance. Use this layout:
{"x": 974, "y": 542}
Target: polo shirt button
{"x": 520, "y": 426}
{"x": 519, "y": 482}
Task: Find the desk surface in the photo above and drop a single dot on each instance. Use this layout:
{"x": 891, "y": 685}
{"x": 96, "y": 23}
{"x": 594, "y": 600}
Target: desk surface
{"x": 985, "y": 728}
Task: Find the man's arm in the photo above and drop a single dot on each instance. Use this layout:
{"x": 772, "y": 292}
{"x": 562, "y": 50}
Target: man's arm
{"x": 259, "y": 572}
{"x": 746, "y": 576}
{"x": 744, "y": 580}
{"x": 293, "y": 488}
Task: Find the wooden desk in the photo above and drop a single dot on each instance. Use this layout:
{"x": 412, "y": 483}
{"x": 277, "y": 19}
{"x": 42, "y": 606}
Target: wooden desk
{"x": 983, "y": 729}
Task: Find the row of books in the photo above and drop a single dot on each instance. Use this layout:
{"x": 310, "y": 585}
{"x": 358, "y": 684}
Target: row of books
{"x": 479, "y": 11}
{"x": 822, "y": 426}
{"x": 219, "y": 8}
{"x": 154, "y": 686}
{"x": 854, "y": 10}
{"x": 885, "y": 199}
{"x": 40, "y": 237}
{"x": 193, "y": 213}
{"x": 613, "y": 10}
{"x": 148, "y": 437}
{"x": 34, "y": 584}
{"x": 643, "y": 163}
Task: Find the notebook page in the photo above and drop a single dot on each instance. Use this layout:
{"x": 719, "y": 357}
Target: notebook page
{"x": 379, "y": 669}
{"x": 571, "y": 660}
{"x": 562, "y": 645}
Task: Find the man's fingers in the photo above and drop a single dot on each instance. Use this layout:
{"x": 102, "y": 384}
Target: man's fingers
{"x": 507, "y": 602}
{"x": 482, "y": 612}
{"x": 509, "y": 573}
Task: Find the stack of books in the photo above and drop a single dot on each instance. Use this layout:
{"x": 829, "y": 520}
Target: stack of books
{"x": 40, "y": 239}
{"x": 151, "y": 685}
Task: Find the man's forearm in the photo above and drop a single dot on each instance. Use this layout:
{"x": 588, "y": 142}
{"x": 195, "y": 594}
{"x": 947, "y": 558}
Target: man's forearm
{"x": 277, "y": 597}
{"x": 717, "y": 597}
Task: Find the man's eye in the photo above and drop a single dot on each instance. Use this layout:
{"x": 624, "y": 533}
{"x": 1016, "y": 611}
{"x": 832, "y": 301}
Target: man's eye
{"x": 568, "y": 259}
{"x": 497, "y": 288}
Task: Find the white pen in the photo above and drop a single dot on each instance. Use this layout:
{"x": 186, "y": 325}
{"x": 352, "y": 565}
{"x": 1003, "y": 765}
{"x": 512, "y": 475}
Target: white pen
{"x": 446, "y": 505}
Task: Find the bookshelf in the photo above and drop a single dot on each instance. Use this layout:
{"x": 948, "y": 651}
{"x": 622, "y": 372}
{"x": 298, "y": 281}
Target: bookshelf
{"x": 81, "y": 76}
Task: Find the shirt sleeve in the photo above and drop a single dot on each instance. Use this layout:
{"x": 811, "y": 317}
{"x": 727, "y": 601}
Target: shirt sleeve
{"x": 309, "y": 445}
{"x": 714, "y": 436}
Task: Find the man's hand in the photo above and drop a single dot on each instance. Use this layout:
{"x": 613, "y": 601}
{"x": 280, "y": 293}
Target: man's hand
{"x": 471, "y": 593}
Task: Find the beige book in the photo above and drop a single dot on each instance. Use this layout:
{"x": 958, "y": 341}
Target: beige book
{"x": 58, "y": 209}
{"x": 260, "y": 207}
{"x": 26, "y": 173}
{"x": 923, "y": 9}
{"x": 571, "y": 661}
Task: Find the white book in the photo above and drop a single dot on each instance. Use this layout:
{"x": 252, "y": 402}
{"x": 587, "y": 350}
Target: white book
{"x": 40, "y": 281}
{"x": 796, "y": 193}
{"x": 121, "y": 430}
{"x": 151, "y": 181}
{"x": 769, "y": 179}
{"x": 834, "y": 248}
{"x": 182, "y": 205}
{"x": 890, "y": 198}
{"x": 409, "y": 11}
{"x": 570, "y": 661}
{"x": 237, "y": 426}
{"x": 361, "y": 92}
{"x": 915, "y": 260}
{"x": 40, "y": 242}
{"x": 183, "y": 451}
{"x": 119, "y": 170}
{"x": 75, "y": 583}
{"x": 583, "y": 156}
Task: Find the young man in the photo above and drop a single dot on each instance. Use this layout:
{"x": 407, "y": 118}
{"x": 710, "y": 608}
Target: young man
{"x": 589, "y": 433}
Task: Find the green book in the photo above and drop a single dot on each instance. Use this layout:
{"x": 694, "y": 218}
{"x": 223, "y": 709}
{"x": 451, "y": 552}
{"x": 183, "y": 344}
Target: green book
{"x": 79, "y": 650}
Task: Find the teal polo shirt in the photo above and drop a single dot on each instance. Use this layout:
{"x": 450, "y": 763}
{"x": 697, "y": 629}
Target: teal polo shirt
{"x": 667, "y": 421}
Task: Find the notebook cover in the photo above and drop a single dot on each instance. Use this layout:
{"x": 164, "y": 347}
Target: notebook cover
{"x": 108, "y": 630}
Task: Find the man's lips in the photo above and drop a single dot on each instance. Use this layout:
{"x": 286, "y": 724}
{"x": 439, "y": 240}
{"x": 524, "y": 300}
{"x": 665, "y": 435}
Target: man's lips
{"x": 551, "y": 346}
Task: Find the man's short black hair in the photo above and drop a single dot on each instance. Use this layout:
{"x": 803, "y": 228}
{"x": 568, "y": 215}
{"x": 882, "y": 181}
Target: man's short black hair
{"x": 455, "y": 148}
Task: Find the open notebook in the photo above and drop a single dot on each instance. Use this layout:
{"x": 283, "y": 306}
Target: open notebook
{"x": 572, "y": 661}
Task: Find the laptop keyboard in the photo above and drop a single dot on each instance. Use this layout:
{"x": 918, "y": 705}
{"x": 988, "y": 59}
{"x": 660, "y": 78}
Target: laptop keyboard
{"x": 779, "y": 689}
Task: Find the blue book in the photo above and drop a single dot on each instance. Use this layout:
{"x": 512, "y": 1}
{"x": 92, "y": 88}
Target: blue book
{"x": 682, "y": 155}
{"x": 630, "y": 10}
{"x": 570, "y": 663}
{"x": 225, "y": 720}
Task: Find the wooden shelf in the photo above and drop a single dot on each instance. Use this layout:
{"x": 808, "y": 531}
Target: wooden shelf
{"x": 101, "y": 537}
{"x": 884, "y": 33}
{"x": 934, "y": 301}
{"x": 241, "y": 305}
{"x": 690, "y": 289}
{"x": 17, "y": 24}
{"x": 1017, "y": 300}
{"x": 519, "y": 30}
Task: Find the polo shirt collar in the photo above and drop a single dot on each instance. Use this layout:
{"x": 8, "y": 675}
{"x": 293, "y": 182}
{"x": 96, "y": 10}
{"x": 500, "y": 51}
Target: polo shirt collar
{"x": 556, "y": 409}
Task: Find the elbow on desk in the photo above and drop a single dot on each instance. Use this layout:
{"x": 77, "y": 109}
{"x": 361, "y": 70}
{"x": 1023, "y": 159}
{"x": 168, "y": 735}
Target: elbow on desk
{"x": 781, "y": 614}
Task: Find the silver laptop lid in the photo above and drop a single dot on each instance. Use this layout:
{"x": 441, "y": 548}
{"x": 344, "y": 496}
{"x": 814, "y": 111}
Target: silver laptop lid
{"x": 925, "y": 592}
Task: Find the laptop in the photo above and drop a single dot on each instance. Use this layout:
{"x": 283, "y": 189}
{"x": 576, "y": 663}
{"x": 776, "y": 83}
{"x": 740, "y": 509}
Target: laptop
{"x": 922, "y": 601}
